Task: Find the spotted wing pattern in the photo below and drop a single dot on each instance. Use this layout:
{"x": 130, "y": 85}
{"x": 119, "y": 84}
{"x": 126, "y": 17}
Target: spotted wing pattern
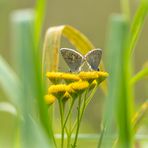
{"x": 93, "y": 58}
{"x": 73, "y": 59}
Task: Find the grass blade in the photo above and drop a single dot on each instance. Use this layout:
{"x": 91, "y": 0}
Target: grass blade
{"x": 39, "y": 19}
{"x": 9, "y": 78}
{"x": 119, "y": 104}
{"x": 137, "y": 23}
{"x": 140, "y": 75}
{"x": 29, "y": 70}
{"x": 139, "y": 115}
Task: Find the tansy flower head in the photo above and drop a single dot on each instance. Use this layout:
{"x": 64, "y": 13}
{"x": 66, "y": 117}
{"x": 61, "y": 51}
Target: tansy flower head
{"x": 79, "y": 86}
{"x": 88, "y": 76}
{"x": 69, "y": 77}
{"x": 101, "y": 76}
{"x": 54, "y": 77}
{"x": 49, "y": 99}
{"x": 93, "y": 75}
{"x": 59, "y": 89}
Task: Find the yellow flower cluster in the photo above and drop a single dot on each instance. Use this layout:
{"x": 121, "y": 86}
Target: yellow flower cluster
{"x": 58, "y": 76}
{"x": 75, "y": 84}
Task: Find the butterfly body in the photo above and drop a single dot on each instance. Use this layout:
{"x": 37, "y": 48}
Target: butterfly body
{"x": 75, "y": 60}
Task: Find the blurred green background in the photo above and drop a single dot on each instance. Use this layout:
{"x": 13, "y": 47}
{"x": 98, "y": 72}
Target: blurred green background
{"x": 90, "y": 17}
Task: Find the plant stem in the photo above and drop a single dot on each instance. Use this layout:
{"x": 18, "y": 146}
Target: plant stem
{"x": 90, "y": 96}
{"x": 69, "y": 112}
{"x": 74, "y": 125}
{"x": 81, "y": 109}
{"x": 141, "y": 74}
{"x": 78, "y": 122}
{"x": 102, "y": 134}
{"x": 64, "y": 125}
{"x": 62, "y": 119}
{"x": 68, "y": 140}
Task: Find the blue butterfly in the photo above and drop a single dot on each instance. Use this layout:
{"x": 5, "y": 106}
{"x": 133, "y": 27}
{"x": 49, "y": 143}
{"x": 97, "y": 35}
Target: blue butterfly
{"x": 75, "y": 60}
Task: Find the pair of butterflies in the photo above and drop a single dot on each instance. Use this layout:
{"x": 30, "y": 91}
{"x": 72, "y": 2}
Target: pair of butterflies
{"x": 75, "y": 60}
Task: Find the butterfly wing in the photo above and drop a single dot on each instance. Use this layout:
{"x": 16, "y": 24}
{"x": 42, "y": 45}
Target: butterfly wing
{"x": 93, "y": 58}
{"x": 73, "y": 58}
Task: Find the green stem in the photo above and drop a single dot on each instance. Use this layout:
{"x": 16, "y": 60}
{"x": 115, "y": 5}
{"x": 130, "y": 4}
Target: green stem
{"x": 69, "y": 112}
{"x": 74, "y": 125}
{"x": 139, "y": 76}
{"x": 68, "y": 140}
{"x": 62, "y": 119}
{"x": 82, "y": 108}
{"x": 101, "y": 135}
{"x": 91, "y": 95}
{"x": 67, "y": 117}
{"x": 85, "y": 103}
{"x": 78, "y": 122}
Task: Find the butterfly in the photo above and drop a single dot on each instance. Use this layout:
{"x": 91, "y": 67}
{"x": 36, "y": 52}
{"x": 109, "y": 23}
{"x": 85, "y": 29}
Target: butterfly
{"x": 76, "y": 60}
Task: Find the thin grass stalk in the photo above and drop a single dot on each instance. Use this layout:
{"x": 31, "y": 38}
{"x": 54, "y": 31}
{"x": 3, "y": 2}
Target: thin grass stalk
{"x": 139, "y": 115}
{"x": 137, "y": 24}
{"x": 140, "y": 75}
{"x": 40, "y": 8}
{"x": 118, "y": 104}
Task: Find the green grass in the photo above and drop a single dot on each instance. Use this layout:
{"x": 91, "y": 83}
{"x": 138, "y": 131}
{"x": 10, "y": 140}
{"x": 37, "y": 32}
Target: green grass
{"x": 118, "y": 99}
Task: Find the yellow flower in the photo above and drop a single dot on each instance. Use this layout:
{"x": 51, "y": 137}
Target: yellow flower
{"x": 54, "y": 77}
{"x": 70, "y": 77}
{"x": 83, "y": 80}
{"x": 49, "y": 99}
{"x": 59, "y": 89}
{"x": 79, "y": 86}
{"x": 93, "y": 75}
{"x": 102, "y": 76}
